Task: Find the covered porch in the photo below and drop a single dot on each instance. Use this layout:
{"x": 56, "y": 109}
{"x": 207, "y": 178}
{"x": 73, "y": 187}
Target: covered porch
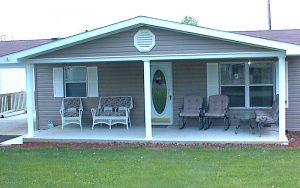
{"x": 144, "y": 129}
{"x": 126, "y": 58}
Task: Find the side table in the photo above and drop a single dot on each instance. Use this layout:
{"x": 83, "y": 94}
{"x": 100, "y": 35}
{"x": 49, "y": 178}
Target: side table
{"x": 244, "y": 117}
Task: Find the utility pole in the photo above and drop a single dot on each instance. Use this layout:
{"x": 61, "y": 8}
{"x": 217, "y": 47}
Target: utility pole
{"x": 269, "y": 15}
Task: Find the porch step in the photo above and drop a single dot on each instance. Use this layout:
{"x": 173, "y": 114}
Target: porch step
{"x": 154, "y": 141}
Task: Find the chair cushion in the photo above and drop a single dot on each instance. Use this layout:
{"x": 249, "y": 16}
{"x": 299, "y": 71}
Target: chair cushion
{"x": 188, "y": 114}
{"x": 71, "y": 114}
{"x": 211, "y": 114}
{"x": 101, "y": 113}
{"x": 107, "y": 109}
{"x": 71, "y": 110}
{"x": 264, "y": 116}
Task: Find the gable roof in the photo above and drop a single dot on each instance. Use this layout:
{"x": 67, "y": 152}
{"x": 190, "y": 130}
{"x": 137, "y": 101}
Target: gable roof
{"x": 291, "y": 49}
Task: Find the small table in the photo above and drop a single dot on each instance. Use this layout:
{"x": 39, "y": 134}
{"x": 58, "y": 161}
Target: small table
{"x": 246, "y": 117}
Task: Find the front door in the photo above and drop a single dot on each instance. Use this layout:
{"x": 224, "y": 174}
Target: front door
{"x": 162, "y": 94}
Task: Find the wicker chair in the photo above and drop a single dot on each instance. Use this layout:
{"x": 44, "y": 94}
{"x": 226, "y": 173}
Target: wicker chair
{"x": 218, "y": 107}
{"x": 268, "y": 117}
{"x": 71, "y": 111}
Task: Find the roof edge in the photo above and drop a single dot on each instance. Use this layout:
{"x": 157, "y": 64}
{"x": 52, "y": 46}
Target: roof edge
{"x": 291, "y": 49}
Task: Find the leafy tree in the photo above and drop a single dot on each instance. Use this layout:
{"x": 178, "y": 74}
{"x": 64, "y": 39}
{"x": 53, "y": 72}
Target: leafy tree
{"x": 3, "y": 37}
{"x": 189, "y": 21}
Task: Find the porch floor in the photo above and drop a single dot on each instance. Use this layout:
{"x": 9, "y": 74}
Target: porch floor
{"x": 166, "y": 134}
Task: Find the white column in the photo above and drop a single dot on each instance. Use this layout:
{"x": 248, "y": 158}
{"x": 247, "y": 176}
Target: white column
{"x": 30, "y": 99}
{"x": 277, "y": 77}
{"x": 281, "y": 88}
{"x": 147, "y": 93}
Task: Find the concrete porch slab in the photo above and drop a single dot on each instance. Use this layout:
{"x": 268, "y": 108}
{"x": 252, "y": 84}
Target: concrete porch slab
{"x": 167, "y": 134}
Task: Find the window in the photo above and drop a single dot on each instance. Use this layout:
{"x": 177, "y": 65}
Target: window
{"x": 248, "y": 85}
{"x": 261, "y": 84}
{"x": 233, "y": 83}
{"x": 75, "y": 81}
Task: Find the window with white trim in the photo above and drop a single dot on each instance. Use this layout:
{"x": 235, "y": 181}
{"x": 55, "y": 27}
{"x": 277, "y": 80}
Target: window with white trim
{"x": 75, "y": 79}
{"x": 248, "y": 85}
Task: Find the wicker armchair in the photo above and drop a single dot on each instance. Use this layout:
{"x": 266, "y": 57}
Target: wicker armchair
{"x": 71, "y": 112}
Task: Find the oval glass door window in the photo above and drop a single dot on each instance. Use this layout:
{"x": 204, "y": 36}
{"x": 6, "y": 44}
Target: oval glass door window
{"x": 159, "y": 91}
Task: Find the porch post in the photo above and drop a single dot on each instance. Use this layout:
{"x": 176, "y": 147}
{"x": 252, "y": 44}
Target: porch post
{"x": 147, "y": 94}
{"x": 281, "y": 89}
{"x": 29, "y": 99}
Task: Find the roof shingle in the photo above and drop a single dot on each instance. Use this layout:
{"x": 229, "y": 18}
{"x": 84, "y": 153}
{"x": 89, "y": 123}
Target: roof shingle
{"x": 289, "y": 36}
{"x": 9, "y": 47}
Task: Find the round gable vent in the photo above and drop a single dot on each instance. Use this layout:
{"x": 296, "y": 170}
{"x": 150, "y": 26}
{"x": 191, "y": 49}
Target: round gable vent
{"x": 144, "y": 40}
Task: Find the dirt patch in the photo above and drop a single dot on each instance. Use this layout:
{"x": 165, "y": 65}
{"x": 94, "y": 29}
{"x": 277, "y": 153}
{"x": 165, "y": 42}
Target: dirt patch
{"x": 293, "y": 137}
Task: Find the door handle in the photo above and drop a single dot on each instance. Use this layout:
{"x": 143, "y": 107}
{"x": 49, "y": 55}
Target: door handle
{"x": 170, "y": 97}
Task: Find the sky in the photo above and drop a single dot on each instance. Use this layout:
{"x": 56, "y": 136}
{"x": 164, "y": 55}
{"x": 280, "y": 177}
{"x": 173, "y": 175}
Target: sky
{"x": 40, "y": 19}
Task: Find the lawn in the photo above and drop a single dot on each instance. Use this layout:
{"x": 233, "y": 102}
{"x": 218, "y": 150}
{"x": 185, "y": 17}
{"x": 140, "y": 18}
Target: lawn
{"x": 132, "y": 166}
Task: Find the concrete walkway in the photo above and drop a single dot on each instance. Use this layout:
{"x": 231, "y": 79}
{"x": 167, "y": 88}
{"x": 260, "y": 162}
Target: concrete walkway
{"x": 14, "y": 125}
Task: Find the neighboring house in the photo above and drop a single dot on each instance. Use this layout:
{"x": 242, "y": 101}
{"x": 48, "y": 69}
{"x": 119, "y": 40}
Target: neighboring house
{"x": 124, "y": 58}
{"x": 12, "y": 78}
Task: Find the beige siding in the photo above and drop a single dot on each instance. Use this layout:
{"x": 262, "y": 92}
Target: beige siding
{"x": 167, "y": 42}
{"x": 114, "y": 79}
{"x": 189, "y": 78}
{"x": 47, "y": 106}
{"x": 124, "y": 79}
{"x": 293, "y": 112}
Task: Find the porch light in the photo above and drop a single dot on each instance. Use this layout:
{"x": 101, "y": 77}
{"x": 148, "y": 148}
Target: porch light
{"x": 249, "y": 62}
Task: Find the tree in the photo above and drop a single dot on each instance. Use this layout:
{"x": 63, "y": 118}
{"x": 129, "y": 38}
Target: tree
{"x": 3, "y": 37}
{"x": 189, "y": 21}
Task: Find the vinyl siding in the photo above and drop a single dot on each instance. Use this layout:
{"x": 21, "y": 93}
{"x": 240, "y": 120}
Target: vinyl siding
{"x": 293, "y": 112}
{"x": 167, "y": 42}
{"x": 115, "y": 79}
{"x": 189, "y": 78}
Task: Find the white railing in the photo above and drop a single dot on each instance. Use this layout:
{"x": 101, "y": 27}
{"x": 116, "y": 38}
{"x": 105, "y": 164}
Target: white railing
{"x": 12, "y": 102}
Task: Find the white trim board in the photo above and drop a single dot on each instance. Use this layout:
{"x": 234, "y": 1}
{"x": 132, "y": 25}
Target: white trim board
{"x": 291, "y": 49}
{"x": 156, "y": 57}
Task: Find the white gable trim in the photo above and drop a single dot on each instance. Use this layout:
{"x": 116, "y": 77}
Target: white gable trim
{"x": 290, "y": 49}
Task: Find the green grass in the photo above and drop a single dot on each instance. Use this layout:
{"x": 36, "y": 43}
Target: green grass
{"x": 149, "y": 167}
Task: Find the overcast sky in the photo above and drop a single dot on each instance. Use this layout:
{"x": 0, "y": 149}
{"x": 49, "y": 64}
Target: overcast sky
{"x": 36, "y": 19}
